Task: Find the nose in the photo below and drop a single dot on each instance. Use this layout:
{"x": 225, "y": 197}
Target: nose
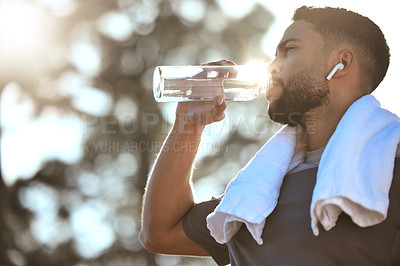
{"x": 274, "y": 67}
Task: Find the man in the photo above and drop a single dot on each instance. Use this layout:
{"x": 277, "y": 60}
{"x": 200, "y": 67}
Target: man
{"x": 318, "y": 40}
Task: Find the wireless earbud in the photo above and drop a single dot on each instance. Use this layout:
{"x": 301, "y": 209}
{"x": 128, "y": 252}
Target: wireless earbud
{"x": 338, "y": 66}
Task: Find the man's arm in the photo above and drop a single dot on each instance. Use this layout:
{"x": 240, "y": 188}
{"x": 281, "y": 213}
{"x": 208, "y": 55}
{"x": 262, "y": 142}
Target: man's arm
{"x": 169, "y": 195}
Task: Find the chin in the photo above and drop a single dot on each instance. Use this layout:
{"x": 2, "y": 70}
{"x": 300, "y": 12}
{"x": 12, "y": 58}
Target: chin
{"x": 285, "y": 117}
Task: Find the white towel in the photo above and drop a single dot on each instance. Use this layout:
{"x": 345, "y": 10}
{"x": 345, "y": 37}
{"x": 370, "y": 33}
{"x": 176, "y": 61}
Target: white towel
{"x": 354, "y": 175}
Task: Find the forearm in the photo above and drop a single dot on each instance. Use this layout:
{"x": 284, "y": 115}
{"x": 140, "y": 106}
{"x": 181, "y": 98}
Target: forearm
{"x": 169, "y": 194}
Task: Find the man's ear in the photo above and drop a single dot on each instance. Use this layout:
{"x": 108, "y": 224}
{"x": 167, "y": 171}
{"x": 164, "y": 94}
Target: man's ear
{"x": 346, "y": 57}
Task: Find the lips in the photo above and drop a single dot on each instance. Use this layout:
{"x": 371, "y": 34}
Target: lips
{"x": 274, "y": 91}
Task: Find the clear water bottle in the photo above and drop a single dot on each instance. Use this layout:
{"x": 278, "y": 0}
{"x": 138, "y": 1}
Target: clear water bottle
{"x": 203, "y": 83}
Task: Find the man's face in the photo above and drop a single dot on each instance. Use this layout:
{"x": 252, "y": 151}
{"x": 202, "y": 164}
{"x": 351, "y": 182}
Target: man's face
{"x": 298, "y": 75}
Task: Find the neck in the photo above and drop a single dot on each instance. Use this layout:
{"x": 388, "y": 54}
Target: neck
{"x": 319, "y": 128}
{"x": 320, "y": 123}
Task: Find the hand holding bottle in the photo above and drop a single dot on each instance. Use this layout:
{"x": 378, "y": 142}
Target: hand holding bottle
{"x": 198, "y": 114}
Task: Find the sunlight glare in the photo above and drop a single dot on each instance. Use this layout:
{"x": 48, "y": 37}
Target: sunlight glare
{"x": 21, "y": 27}
{"x": 257, "y": 71}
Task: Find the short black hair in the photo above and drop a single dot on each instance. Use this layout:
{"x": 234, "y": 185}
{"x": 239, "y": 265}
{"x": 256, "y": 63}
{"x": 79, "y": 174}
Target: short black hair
{"x": 341, "y": 26}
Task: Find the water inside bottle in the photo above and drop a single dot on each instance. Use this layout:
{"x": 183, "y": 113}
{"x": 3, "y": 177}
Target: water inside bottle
{"x": 207, "y": 89}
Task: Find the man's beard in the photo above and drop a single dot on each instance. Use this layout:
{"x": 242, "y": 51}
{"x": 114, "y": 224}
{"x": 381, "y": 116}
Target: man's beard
{"x": 303, "y": 92}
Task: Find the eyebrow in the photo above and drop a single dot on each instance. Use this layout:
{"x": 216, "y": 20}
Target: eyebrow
{"x": 283, "y": 44}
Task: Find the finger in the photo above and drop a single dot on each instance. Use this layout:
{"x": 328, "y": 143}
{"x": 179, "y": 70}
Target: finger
{"x": 218, "y": 116}
{"x": 214, "y": 63}
{"x": 219, "y": 103}
{"x": 219, "y": 108}
{"x": 228, "y": 63}
{"x": 219, "y": 93}
{"x": 219, "y": 63}
{"x": 222, "y": 73}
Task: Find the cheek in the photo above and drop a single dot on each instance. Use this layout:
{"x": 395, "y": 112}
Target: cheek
{"x": 293, "y": 65}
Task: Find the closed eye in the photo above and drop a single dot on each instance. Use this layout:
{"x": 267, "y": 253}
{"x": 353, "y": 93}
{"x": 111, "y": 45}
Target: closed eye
{"x": 289, "y": 48}
{"x": 287, "y": 45}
